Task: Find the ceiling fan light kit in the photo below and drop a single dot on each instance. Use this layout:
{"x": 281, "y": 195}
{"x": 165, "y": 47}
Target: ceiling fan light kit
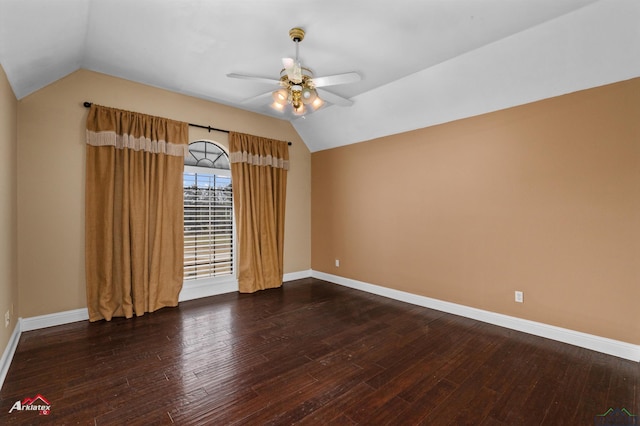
{"x": 300, "y": 92}
{"x": 298, "y": 87}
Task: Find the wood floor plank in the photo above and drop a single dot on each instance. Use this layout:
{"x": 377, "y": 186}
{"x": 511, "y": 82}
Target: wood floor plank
{"x": 310, "y": 353}
{"x": 624, "y": 388}
{"x": 594, "y": 399}
{"x": 348, "y": 394}
{"x": 567, "y": 396}
{"x": 434, "y": 393}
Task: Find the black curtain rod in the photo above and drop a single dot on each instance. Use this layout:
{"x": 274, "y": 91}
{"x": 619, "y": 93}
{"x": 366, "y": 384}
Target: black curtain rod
{"x": 209, "y": 128}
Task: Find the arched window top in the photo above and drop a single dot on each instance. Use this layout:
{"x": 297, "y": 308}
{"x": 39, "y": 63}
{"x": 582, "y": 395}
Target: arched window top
{"x": 207, "y": 154}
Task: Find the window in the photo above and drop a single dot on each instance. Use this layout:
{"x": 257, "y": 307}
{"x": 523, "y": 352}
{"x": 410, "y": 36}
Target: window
{"x": 208, "y": 212}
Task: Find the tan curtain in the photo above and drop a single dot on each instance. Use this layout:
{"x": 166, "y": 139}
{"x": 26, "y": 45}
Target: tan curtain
{"x": 133, "y": 212}
{"x": 259, "y": 172}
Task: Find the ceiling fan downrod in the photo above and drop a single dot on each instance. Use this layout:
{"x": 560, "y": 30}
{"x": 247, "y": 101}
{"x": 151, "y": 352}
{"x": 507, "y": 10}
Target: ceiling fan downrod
{"x": 297, "y": 35}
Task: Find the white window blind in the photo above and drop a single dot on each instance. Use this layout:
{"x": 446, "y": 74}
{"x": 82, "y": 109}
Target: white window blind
{"x": 208, "y": 225}
{"x": 208, "y": 212}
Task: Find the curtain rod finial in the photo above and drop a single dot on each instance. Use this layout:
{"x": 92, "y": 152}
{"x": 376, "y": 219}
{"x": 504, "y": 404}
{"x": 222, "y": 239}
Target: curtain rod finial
{"x": 87, "y": 104}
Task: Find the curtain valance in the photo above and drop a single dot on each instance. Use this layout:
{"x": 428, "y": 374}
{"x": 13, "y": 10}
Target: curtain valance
{"x": 139, "y": 132}
{"x": 258, "y": 151}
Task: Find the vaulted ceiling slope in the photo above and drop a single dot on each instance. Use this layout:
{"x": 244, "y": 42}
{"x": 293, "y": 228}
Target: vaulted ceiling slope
{"x": 422, "y": 62}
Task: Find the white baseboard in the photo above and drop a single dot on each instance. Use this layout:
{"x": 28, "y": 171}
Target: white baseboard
{"x": 292, "y": 276}
{"x": 600, "y": 344}
{"x": 10, "y": 350}
{"x": 51, "y": 320}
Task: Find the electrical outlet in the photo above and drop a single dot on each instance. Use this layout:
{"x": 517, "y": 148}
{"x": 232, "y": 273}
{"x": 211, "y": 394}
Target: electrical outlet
{"x": 337, "y": 263}
{"x": 7, "y": 319}
{"x": 519, "y": 297}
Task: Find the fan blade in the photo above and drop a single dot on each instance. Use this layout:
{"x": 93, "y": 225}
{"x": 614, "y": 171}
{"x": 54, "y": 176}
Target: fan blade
{"x": 255, "y": 78}
{"x": 333, "y": 80}
{"x": 333, "y": 98}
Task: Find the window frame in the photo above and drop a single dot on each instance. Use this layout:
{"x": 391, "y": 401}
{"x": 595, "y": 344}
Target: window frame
{"x": 226, "y": 280}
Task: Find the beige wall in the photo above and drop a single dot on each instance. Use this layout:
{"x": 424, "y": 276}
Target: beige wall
{"x": 51, "y": 161}
{"x": 8, "y": 209}
{"x": 542, "y": 198}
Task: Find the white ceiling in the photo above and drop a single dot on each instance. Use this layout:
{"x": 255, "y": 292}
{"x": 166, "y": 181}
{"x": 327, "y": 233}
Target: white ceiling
{"x": 422, "y": 62}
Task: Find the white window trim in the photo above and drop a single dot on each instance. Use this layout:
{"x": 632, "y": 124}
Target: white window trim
{"x": 207, "y": 170}
{"x": 211, "y": 286}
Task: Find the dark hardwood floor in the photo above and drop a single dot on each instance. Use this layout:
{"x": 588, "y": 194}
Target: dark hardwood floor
{"x": 310, "y": 353}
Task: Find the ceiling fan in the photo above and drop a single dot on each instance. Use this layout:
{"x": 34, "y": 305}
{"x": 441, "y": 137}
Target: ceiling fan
{"x": 298, "y": 88}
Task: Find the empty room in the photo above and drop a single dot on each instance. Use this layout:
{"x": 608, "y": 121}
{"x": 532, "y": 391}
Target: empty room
{"x": 320, "y": 212}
